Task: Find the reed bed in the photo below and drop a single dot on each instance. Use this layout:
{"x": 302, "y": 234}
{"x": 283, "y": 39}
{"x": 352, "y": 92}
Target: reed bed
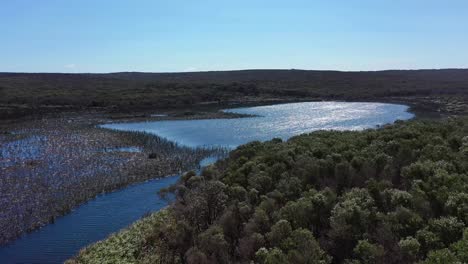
{"x": 49, "y": 167}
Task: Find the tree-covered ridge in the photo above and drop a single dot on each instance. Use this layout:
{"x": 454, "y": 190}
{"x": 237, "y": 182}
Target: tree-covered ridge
{"x": 398, "y": 194}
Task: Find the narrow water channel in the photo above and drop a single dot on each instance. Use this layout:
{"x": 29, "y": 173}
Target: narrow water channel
{"x": 89, "y": 223}
{"x": 111, "y": 212}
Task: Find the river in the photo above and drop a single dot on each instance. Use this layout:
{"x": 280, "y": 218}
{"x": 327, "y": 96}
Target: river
{"x": 111, "y": 212}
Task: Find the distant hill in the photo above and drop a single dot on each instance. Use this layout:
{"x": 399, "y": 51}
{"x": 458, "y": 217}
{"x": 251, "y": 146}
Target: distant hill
{"x": 126, "y": 91}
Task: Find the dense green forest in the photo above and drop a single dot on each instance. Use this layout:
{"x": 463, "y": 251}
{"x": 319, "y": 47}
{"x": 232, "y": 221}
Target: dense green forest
{"x": 398, "y": 194}
{"x": 32, "y": 93}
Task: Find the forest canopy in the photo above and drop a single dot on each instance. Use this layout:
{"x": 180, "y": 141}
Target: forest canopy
{"x": 398, "y": 194}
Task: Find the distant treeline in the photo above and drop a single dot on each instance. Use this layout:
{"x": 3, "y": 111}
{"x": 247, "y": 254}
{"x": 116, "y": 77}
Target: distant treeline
{"x": 393, "y": 195}
{"x": 25, "y": 93}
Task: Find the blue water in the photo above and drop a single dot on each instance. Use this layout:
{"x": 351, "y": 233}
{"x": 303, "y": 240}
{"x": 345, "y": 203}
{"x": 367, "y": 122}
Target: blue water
{"x": 283, "y": 121}
{"x": 111, "y": 212}
{"x": 89, "y": 223}
{"x": 21, "y": 150}
{"x": 123, "y": 149}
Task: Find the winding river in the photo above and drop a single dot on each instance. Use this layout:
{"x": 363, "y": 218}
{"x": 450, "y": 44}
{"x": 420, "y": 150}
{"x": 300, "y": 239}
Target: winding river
{"x": 111, "y": 212}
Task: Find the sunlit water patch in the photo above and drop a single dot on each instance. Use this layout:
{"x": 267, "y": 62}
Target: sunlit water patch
{"x": 108, "y": 213}
{"x": 281, "y": 121}
{"x": 158, "y": 115}
{"x": 122, "y": 149}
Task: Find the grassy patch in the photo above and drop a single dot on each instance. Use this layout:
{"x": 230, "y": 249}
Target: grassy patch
{"x": 126, "y": 246}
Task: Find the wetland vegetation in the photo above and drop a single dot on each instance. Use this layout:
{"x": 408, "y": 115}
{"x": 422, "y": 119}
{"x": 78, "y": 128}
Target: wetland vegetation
{"x": 132, "y": 156}
{"x": 50, "y": 166}
{"x": 246, "y": 155}
{"x": 54, "y": 163}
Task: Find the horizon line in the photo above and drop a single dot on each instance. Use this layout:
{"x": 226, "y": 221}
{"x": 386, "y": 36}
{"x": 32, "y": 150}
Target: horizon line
{"x": 236, "y": 70}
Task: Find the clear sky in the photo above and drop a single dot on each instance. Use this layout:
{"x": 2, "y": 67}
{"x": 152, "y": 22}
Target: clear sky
{"x": 197, "y": 35}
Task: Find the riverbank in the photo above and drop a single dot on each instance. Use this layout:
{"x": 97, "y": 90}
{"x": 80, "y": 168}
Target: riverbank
{"x": 293, "y": 115}
{"x": 127, "y": 245}
{"x": 68, "y": 160}
{"x": 347, "y": 196}
{"x": 51, "y": 165}
{"x": 424, "y": 106}
{"x": 105, "y": 153}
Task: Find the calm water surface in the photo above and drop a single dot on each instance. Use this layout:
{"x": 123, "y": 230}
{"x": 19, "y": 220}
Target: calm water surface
{"x": 89, "y": 223}
{"x": 283, "y": 121}
{"x": 111, "y": 212}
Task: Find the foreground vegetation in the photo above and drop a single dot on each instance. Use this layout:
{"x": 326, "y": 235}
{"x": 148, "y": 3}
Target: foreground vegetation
{"x": 398, "y": 194}
{"x": 25, "y": 94}
{"x": 126, "y": 246}
{"x": 50, "y": 166}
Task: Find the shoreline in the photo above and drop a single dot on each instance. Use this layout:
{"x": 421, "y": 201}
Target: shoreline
{"x": 88, "y": 120}
{"x": 108, "y": 246}
{"x": 76, "y": 156}
{"x": 422, "y": 106}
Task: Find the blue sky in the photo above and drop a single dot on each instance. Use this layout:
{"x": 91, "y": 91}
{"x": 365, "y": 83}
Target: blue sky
{"x": 190, "y": 35}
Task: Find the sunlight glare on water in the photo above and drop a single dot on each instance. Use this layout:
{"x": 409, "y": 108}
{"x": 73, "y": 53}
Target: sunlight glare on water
{"x": 283, "y": 121}
{"x": 110, "y": 212}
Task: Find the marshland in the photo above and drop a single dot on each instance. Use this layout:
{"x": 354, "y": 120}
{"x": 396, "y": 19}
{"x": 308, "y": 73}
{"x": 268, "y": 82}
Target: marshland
{"x": 84, "y": 155}
{"x": 250, "y": 132}
{"x": 56, "y": 157}
{"x": 50, "y": 166}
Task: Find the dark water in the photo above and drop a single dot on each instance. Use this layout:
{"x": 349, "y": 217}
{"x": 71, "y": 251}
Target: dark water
{"x": 89, "y": 223}
{"x": 109, "y": 213}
